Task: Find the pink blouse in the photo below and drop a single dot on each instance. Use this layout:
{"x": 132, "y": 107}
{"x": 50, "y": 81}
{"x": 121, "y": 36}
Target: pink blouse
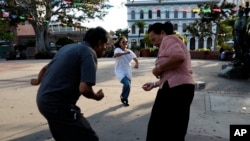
{"x": 172, "y": 45}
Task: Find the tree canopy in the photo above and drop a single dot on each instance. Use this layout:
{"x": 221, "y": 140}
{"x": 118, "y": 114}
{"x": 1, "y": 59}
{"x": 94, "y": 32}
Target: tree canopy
{"x": 5, "y": 33}
{"x": 210, "y": 15}
{"x": 40, "y": 13}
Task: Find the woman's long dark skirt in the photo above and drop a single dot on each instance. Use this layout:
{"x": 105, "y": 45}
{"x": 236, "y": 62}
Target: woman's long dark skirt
{"x": 170, "y": 113}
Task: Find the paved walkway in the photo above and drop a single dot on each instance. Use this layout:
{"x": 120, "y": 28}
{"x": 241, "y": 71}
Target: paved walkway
{"x": 221, "y": 103}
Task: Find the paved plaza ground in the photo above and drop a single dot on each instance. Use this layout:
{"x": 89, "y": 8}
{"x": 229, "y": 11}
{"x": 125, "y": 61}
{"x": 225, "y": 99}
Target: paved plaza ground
{"x": 223, "y": 102}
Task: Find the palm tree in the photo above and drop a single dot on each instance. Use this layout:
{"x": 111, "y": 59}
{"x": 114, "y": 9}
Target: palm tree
{"x": 141, "y": 25}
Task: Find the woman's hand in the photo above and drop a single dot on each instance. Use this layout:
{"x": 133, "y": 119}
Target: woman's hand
{"x": 148, "y": 86}
{"x": 156, "y": 71}
{"x": 136, "y": 66}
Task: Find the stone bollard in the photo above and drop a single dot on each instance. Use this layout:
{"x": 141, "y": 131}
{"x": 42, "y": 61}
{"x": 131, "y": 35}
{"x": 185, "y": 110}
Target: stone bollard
{"x": 200, "y": 85}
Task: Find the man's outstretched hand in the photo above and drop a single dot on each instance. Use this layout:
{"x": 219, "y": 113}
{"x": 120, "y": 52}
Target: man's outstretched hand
{"x": 34, "y": 82}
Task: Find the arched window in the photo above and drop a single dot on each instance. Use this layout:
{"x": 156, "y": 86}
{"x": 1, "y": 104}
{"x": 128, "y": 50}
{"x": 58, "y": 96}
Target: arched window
{"x": 133, "y": 43}
{"x": 175, "y": 13}
{"x": 201, "y": 43}
{"x": 133, "y": 29}
{"x": 149, "y": 25}
{"x": 150, "y": 14}
{"x": 158, "y": 13}
{"x": 192, "y": 44}
{"x": 209, "y": 42}
{"x": 193, "y": 14}
{"x": 184, "y": 27}
{"x": 133, "y": 14}
{"x": 141, "y": 14}
{"x": 184, "y": 14}
{"x": 167, "y": 14}
{"x": 176, "y": 27}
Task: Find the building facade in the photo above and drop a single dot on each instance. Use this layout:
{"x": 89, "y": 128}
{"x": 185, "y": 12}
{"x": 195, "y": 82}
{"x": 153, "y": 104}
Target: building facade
{"x": 179, "y": 12}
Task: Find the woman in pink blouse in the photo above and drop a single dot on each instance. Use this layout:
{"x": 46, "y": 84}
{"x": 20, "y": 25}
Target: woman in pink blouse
{"x": 170, "y": 113}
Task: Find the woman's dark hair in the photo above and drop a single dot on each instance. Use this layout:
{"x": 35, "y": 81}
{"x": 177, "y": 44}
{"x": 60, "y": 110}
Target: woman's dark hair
{"x": 167, "y": 27}
{"x": 94, "y": 35}
{"x": 117, "y": 43}
{"x": 156, "y": 28}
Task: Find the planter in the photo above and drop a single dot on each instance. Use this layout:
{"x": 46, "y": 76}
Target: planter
{"x": 208, "y": 55}
{"x": 137, "y": 53}
{"x": 145, "y": 52}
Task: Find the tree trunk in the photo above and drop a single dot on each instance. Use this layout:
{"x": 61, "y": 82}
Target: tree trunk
{"x": 13, "y": 31}
{"x": 139, "y": 35}
{"x": 41, "y": 32}
{"x": 216, "y": 36}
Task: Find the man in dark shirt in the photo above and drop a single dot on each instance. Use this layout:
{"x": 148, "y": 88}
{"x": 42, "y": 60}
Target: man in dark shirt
{"x": 71, "y": 73}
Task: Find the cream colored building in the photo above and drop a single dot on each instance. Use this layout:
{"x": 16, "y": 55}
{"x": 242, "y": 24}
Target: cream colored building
{"x": 179, "y": 12}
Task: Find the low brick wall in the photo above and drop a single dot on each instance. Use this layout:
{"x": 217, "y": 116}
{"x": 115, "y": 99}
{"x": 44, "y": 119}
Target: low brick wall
{"x": 208, "y": 55}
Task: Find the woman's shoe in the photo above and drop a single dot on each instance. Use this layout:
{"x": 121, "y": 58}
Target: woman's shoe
{"x": 125, "y": 102}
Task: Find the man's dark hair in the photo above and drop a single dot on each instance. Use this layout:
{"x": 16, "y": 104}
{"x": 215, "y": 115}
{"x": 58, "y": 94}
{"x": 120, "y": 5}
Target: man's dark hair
{"x": 94, "y": 35}
{"x": 167, "y": 27}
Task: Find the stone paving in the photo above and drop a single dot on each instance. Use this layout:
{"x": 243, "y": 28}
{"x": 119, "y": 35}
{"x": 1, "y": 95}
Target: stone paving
{"x": 221, "y": 103}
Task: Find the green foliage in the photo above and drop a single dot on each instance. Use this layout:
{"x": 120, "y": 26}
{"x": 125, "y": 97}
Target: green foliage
{"x": 64, "y": 11}
{"x": 147, "y": 40}
{"x": 182, "y": 37}
{"x": 226, "y": 46}
{"x": 135, "y": 48}
{"x": 140, "y": 24}
{"x": 154, "y": 51}
{"x": 20, "y": 47}
{"x": 5, "y": 32}
{"x": 203, "y": 26}
{"x": 31, "y": 43}
{"x": 208, "y": 17}
{"x": 225, "y": 31}
{"x": 203, "y": 49}
{"x": 122, "y": 32}
{"x": 64, "y": 41}
{"x": 158, "y": 0}
{"x": 41, "y": 12}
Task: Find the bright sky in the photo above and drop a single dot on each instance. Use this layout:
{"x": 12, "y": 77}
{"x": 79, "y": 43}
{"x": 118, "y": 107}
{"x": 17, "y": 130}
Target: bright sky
{"x": 116, "y": 18}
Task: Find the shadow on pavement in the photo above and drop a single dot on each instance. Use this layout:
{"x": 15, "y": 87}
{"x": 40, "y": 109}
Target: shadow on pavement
{"x": 192, "y": 137}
